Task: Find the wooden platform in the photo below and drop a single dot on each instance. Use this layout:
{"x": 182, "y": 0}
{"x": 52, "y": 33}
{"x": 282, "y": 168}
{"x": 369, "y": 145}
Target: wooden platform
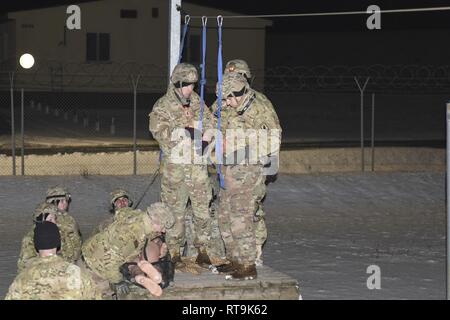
{"x": 270, "y": 285}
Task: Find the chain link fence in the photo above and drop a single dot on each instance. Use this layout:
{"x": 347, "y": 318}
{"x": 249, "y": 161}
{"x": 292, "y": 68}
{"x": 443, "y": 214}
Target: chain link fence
{"x": 77, "y": 118}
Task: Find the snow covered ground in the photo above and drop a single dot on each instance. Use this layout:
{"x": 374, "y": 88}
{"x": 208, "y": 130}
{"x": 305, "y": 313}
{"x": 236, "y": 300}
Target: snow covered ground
{"x": 324, "y": 229}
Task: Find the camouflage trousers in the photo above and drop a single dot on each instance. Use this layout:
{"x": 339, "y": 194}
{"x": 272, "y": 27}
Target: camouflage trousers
{"x": 179, "y": 184}
{"x": 101, "y": 284}
{"x": 260, "y": 222}
{"x": 259, "y": 193}
{"x": 215, "y": 246}
{"x": 237, "y": 208}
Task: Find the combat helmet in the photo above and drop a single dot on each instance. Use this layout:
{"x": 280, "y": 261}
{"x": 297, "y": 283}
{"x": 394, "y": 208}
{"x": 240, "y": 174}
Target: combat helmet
{"x": 184, "y": 74}
{"x": 119, "y": 193}
{"x": 233, "y": 84}
{"x": 57, "y": 193}
{"x": 238, "y": 66}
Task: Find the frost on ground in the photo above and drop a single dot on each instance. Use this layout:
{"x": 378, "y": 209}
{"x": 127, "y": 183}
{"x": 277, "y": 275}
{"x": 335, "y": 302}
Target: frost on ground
{"x": 324, "y": 229}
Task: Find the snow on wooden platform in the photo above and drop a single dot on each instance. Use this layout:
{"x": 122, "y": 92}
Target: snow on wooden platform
{"x": 270, "y": 285}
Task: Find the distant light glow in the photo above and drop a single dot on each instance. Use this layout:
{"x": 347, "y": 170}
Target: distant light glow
{"x": 26, "y": 61}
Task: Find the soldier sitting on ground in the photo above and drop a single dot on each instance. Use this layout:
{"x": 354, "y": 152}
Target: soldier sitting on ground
{"x": 68, "y": 229}
{"x": 61, "y": 197}
{"x": 123, "y": 240}
{"x": 120, "y": 198}
{"x": 48, "y": 276}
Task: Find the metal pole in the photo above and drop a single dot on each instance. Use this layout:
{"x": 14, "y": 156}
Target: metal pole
{"x": 22, "y": 128}
{"x": 13, "y": 134}
{"x": 362, "y": 131}
{"x": 361, "y": 90}
{"x": 373, "y": 132}
{"x": 135, "y": 84}
{"x": 448, "y": 202}
{"x": 174, "y": 33}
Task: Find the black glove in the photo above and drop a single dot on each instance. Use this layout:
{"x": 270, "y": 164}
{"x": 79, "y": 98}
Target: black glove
{"x": 125, "y": 271}
{"x": 167, "y": 269}
{"x": 122, "y": 288}
{"x": 205, "y": 144}
{"x": 191, "y": 131}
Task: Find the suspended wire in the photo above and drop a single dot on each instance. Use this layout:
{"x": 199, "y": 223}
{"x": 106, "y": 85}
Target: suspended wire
{"x": 337, "y": 13}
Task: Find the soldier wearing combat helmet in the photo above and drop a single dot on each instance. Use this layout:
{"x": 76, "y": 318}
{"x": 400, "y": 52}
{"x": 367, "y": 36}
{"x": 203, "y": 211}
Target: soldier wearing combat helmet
{"x": 240, "y": 66}
{"x": 120, "y": 198}
{"x": 248, "y": 110}
{"x": 123, "y": 240}
{"x": 180, "y": 109}
{"x": 70, "y": 239}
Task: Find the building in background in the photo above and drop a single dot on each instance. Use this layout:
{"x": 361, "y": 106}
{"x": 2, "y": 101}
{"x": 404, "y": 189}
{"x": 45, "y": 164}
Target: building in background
{"x": 118, "y": 38}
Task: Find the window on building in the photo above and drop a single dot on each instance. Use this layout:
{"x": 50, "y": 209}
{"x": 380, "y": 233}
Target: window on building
{"x": 98, "y": 46}
{"x": 155, "y": 12}
{"x": 4, "y": 47}
{"x": 128, "y": 14}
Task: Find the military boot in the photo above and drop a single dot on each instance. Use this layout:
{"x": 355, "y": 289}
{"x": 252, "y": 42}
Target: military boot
{"x": 176, "y": 259}
{"x": 203, "y": 258}
{"x": 227, "y": 268}
{"x": 243, "y": 272}
{"x": 259, "y": 258}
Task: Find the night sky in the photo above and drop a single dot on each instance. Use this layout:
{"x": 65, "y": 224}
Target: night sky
{"x": 390, "y": 21}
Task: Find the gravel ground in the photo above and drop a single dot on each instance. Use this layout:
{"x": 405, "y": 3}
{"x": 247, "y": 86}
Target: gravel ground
{"x": 324, "y": 229}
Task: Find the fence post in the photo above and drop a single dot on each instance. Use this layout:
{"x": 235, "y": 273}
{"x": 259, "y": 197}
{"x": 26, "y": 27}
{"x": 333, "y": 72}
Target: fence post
{"x": 22, "y": 132}
{"x": 13, "y": 133}
{"x": 373, "y": 132}
{"x": 448, "y": 202}
{"x": 135, "y": 84}
{"x": 361, "y": 90}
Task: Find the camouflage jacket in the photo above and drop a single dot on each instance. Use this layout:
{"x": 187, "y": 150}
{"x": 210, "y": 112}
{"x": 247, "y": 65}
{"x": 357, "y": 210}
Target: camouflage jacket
{"x": 70, "y": 241}
{"x": 102, "y": 226}
{"x": 168, "y": 114}
{"x": 258, "y": 114}
{"x": 52, "y": 278}
{"x": 120, "y": 242}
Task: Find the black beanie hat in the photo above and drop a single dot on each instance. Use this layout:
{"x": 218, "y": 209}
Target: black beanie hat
{"x": 46, "y": 236}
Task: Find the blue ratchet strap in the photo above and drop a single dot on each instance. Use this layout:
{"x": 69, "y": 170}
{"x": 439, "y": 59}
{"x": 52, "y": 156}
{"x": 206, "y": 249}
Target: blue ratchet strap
{"x": 219, "y": 145}
{"x": 187, "y": 18}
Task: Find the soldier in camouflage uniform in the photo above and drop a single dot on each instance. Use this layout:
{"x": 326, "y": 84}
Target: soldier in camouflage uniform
{"x": 123, "y": 240}
{"x": 238, "y": 202}
{"x": 70, "y": 238}
{"x": 120, "y": 198}
{"x": 177, "y": 110}
{"x": 241, "y": 67}
{"x": 61, "y": 197}
{"x": 215, "y": 245}
{"x": 48, "y": 276}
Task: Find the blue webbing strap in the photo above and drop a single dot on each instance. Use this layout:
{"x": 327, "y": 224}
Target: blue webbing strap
{"x": 187, "y": 18}
{"x": 203, "y": 76}
{"x": 219, "y": 151}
